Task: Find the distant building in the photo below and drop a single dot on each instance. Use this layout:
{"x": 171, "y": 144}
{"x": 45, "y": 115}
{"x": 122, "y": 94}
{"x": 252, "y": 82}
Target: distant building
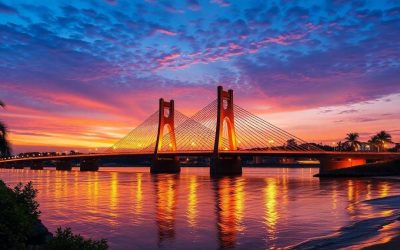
{"x": 365, "y": 147}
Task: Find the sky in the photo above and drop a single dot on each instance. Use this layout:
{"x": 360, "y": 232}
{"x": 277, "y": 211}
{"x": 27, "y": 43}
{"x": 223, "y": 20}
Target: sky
{"x": 82, "y": 74}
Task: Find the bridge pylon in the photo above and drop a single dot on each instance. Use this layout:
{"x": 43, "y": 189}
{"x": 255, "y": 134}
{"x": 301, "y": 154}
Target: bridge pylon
{"x": 225, "y": 164}
{"x": 165, "y": 163}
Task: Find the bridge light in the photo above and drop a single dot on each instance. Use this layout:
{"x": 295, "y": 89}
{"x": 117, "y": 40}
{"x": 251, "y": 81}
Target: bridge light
{"x": 270, "y": 141}
{"x": 170, "y": 145}
{"x": 349, "y": 159}
{"x": 114, "y": 147}
{"x": 193, "y": 144}
{"x": 225, "y": 148}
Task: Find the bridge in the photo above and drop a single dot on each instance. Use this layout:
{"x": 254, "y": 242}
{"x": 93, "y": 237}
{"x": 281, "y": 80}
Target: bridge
{"x": 221, "y": 130}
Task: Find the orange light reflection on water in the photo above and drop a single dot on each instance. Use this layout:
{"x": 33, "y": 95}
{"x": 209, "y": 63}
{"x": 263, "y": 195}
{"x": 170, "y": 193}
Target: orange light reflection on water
{"x": 192, "y": 201}
{"x": 271, "y": 214}
{"x": 230, "y": 210}
{"x": 166, "y": 202}
{"x": 166, "y": 210}
{"x": 139, "y": 193}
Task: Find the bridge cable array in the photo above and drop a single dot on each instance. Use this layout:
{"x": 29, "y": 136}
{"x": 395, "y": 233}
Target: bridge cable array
{"x": 197, "y": 133}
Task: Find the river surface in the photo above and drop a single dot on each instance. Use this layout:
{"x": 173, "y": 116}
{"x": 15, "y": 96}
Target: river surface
{"x": 266, "y": 208}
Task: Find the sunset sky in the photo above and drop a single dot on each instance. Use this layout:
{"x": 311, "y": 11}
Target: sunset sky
{"x": 78, "y": 75}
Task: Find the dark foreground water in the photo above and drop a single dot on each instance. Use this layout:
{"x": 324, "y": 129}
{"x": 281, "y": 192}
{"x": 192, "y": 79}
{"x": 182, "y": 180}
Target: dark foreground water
{"x": 263, "y": 209}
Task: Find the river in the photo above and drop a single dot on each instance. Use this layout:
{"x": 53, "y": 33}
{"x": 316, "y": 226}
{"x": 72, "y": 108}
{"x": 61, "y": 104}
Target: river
{"x": 266, "y": 208}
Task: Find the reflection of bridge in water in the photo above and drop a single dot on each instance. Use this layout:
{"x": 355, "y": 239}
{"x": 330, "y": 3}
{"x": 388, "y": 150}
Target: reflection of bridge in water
{"x": 222, "y": 131}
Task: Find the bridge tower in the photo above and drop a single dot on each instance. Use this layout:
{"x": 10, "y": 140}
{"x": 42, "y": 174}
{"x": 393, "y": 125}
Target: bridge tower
{"x": 165, "y": 163}
{"x": 225, "y": 164}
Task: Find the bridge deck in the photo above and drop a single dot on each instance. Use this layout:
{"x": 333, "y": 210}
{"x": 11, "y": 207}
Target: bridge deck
{"x": 306, "y": 154}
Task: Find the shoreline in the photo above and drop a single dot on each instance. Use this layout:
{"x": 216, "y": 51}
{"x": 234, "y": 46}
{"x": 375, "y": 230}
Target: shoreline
{"x": 393, "y": 243}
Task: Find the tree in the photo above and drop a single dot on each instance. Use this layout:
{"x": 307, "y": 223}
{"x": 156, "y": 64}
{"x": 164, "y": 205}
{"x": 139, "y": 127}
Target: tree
{"x": 65, "y": 239}
{"x": 374, "y": 143}
{"x": 5, "y": 150}
{"x": 291, "y": 143}
{"x": 352, "y": 141}
{"x": 380, "y": 139}
{"x": 18, "y": 215}
{"x": 21, "y": 228}
{"x": 339, "y": 146}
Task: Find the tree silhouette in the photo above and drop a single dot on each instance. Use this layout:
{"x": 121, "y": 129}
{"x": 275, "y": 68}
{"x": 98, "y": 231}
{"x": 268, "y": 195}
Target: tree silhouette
{"x": 380, "y": 139}
{"x": 4, "y": 144}
{"x": 352, "y": 141}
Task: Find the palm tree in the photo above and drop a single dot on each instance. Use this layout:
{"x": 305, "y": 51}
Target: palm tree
{"x": 352, "y": 141}
{"x": 382, "y": 138}
{"x": 4, "y": 144}
{"x": 374, "y": 142}
{"x": 339, "y": 146}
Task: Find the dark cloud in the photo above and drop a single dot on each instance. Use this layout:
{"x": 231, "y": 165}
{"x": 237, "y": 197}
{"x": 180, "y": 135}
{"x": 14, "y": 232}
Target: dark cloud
{"x": 193, "y": 5}
{"x": 298, "y": 12}
{"x": 7, "y": 9}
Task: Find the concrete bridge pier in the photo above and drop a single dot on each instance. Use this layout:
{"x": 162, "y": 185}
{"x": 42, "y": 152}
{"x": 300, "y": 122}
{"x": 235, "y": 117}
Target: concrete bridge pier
{"x": 7, "y": 165}
{"x": 165, "y": 165}
{"x": 36, "y": 166}
{"x": 226, "y": 165}
{"x": 89, "y": 165}
{"x": 18, "y": 165}
{"x": 64, "y": 165}
{"x": 328, "y": 164}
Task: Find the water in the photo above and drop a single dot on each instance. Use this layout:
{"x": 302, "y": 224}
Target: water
{"x": 263, "y": 209}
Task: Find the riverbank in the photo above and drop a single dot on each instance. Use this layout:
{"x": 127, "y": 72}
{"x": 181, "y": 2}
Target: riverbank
{"x": 386, "y": 168}
{"x": 390, "y": 203}
{"x": 393, "y": 243}
{"x": 367, "y": 233}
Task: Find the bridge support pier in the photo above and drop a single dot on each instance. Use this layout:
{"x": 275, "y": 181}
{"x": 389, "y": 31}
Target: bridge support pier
{"x": 165, "y": 163}
{"x": 8, "y": 165}
{"x": 36, "y": 166}
{"x": 89, "y": 165}
{"x": 64, "y": 165}
{"x": 328, "y": 164}
{"x": 18, "y": 166}
{"x": 225, "y": 164}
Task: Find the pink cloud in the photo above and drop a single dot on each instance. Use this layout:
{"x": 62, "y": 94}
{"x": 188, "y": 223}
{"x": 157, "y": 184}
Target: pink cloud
{"x": 225, "y": 52}
{"x": 222, "y": 3}
{"x": 166, "y": 32}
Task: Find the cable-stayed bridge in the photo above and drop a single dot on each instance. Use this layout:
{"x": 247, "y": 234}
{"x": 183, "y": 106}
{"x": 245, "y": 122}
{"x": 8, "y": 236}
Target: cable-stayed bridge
{"x": 221, "y": 130}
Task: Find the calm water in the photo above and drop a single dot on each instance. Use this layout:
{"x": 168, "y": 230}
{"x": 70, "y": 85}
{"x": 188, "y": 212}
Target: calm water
{"x": 263, "y": 209}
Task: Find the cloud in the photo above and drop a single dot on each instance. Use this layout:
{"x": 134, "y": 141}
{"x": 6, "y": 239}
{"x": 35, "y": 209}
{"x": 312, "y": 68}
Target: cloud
{"x": 96, "y": 63}
{"x": 222, "y": 3}
{"x": 166, "y": 32}
{"x": 193, "y": 5}
{"x": 7, "y": 9}
{"x": 349, "y": 111}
